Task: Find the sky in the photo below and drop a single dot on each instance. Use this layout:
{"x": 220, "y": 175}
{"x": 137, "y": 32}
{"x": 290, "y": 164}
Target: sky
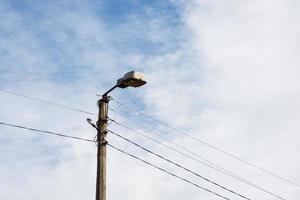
{"x": 223, "y": 71}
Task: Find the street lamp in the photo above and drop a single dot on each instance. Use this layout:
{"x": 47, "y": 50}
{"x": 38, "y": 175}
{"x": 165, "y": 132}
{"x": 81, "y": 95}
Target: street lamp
{"x": 130, "y": 79}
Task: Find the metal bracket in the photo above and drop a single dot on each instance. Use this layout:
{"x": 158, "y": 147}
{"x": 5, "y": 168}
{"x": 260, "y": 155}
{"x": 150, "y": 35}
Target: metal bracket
{"x": 105, "y": 132}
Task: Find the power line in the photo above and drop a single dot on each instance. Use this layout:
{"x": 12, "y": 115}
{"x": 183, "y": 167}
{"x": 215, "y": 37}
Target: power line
{"x": 160, "y": 122}
{"x": 170, "y": 147}
{"x": 88, "y": 140}
{"x": 170, "y": 173}
{"x": 148, "y": 116}
{"x": 212, "y": 166}
{"x": 164, "y": 138}
{"x": 207, "y": 144}
{"x": 47, "y": 102}
{"x": 178, "y": 165}
{"x": 224, "y": 171}
{"x": 46, "y": 132}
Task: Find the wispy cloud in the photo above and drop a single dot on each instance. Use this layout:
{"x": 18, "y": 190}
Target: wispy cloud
{"x": 225, "y": 71}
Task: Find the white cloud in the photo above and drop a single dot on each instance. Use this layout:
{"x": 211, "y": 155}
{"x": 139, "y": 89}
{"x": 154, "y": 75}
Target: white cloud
{"x": 231, "y": 79}
{"x": 244, "y": 65}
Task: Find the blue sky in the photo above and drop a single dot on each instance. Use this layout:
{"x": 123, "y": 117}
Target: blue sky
{"x": 63, "y": 34}
{"x": 224, "y": 71}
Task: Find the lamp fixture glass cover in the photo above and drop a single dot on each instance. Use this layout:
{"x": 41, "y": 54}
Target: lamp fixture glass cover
{"x": 132, "y": 79}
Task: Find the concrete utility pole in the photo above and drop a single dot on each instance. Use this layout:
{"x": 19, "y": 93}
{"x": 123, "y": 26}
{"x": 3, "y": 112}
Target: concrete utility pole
{"x": 101, "y": 150}
{"x": 130, "y": 79}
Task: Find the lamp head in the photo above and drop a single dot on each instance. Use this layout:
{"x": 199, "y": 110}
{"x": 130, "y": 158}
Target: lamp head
{"x": 132, "y": 79}
{"x": 89, "y": 121}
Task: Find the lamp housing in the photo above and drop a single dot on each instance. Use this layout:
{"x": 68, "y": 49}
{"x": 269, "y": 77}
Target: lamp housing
{"x": 132, "y": 79}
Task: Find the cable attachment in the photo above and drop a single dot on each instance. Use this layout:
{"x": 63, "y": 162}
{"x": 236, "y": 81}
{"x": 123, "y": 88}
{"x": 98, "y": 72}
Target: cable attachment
{"x": 110, "y": 98}
{"x": 110, "y": 121}
{"x": 96, "y": 140}
{"x": 105, "y": 142}
{"x": 105, "y": 120}
{"x": 104, "y": 99}
{"x": 104, "y": 132}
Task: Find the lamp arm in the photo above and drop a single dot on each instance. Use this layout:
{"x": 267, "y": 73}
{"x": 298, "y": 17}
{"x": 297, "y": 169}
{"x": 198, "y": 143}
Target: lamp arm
{"x": 111, "y": 89}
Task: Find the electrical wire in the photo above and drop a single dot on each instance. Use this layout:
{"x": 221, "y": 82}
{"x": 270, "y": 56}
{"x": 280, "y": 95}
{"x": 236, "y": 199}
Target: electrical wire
{"x": 90, "y": 113}
{"x": 211, "y": 165}
{"x": 163, "y": 123}
{"x": 207, "y": 144}
{"x": 47, "y": 102}
{"x": 168, "y": 172}
{"x": 178, "y": 165}
{"x": 46, "y": 132}
{"x": 204, "y": 162}
{"x": 131, "y": 155}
